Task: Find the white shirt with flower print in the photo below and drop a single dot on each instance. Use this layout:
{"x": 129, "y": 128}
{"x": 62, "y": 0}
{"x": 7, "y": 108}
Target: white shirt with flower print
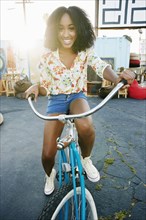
{"x": 57, "y": 79}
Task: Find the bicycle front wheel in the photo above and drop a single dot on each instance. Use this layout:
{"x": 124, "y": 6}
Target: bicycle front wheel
{"x": 61, "y": 205}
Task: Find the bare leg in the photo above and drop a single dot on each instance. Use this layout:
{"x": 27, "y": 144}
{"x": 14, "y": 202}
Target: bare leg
{"x": 52, "y": 131}
{"x": 84, "y": 127}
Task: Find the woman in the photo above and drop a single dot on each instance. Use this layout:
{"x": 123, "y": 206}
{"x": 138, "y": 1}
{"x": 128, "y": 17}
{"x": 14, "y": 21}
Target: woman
{"x": 69, "y": 39}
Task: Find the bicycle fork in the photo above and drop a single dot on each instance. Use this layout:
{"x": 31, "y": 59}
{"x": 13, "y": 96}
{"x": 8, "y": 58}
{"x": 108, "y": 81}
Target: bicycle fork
{"x": 73, "y": 169}
{"x": 70, "y": 165}
{"x": 75, "y": 159}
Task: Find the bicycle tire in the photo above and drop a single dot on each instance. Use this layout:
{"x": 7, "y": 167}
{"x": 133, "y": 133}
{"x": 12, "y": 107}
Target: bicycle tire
{"x": 58, "y": 200}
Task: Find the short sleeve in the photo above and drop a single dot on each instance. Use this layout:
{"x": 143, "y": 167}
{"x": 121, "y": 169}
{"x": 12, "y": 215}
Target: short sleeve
{"x": 96, "y": 63}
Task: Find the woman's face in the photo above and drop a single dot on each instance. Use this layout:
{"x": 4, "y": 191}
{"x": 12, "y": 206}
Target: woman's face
{"x": 66, "y": 32}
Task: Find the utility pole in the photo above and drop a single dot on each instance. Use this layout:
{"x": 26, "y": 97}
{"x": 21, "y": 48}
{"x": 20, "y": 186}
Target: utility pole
{"x": 24, "y": 11}
{"x": 24, "y": 7}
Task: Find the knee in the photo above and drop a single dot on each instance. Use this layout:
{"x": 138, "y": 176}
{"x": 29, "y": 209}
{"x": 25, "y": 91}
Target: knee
{"x": 87, "y": 130}
{"x": 48, "y": 154}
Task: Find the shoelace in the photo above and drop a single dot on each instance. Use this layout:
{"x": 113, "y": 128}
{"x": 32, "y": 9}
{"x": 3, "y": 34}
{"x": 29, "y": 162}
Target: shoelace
{"x": 88, "y": 162}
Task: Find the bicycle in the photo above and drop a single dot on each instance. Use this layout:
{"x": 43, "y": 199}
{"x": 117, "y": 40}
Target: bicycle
{"x": 72, "y": 200}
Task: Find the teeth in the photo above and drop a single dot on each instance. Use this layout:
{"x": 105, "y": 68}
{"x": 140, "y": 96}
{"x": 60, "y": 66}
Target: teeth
{"x": 67, "y": 41}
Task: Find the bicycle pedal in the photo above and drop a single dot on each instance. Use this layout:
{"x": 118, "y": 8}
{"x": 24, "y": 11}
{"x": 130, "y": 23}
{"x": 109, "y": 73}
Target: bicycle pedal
{"x": 85, "y": 175}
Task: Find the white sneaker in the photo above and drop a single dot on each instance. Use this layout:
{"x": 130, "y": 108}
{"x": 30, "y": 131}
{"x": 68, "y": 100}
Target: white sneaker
{"x": 49, "y": 185}
{"x": 91, "y": 171}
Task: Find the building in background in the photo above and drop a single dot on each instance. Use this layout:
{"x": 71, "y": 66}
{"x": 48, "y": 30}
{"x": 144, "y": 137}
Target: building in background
{"x": 123, "y": 18}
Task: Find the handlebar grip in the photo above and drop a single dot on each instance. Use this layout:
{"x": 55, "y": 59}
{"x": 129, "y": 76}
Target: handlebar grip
{"x": 124, "y": 81}
{"x": 32, "y": 96}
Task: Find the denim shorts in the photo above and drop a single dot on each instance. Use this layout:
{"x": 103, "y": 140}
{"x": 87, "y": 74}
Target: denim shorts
{"x": 61, "y": 103}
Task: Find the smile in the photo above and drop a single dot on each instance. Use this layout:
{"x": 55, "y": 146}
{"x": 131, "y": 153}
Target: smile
{"x": 67, "y": 42}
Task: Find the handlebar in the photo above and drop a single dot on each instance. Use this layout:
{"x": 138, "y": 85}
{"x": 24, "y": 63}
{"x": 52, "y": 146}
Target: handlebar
{"x": 81, "y": 115}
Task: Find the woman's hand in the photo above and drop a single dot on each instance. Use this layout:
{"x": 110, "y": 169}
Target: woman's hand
{"x": 128, "y": 75}
{"x": 113, "y": 77}
{"x": 34, "y": 89}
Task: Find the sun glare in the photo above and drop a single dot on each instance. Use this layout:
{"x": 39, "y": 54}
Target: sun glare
{"x": 24, "y": 40}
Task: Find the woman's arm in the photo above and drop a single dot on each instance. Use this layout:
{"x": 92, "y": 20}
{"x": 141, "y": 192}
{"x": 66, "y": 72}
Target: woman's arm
{"x": 34, "y": 89}
{"x": 111, "y": 76}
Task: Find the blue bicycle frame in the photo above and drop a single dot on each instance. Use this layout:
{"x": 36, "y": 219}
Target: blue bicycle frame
{"x": 75, "y": 163}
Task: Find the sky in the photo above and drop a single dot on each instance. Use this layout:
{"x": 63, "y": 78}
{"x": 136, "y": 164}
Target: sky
{"x": 12, "y": 16}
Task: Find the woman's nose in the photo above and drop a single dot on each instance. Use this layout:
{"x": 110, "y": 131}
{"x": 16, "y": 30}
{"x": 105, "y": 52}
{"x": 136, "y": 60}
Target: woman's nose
{"x": 65, "y": 33}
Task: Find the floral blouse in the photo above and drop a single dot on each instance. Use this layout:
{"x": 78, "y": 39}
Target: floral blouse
{"x": 57, "y": 79}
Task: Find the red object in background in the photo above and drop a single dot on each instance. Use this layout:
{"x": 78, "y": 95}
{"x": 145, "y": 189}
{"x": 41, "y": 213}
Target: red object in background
{"x": 134, "y": 62}
{"x": 136, "y": 91}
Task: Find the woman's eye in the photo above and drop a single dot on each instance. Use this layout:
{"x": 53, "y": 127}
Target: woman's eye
{"x": 60, "y": 28}
{"x": 72, "y": 28}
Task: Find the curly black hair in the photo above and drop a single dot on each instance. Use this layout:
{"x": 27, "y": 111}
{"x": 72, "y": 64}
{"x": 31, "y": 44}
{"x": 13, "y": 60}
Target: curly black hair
{"x": 85, "y": 34}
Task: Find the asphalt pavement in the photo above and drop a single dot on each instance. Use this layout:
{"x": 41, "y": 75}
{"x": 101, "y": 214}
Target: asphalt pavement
{"x": 119, "y": 154}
